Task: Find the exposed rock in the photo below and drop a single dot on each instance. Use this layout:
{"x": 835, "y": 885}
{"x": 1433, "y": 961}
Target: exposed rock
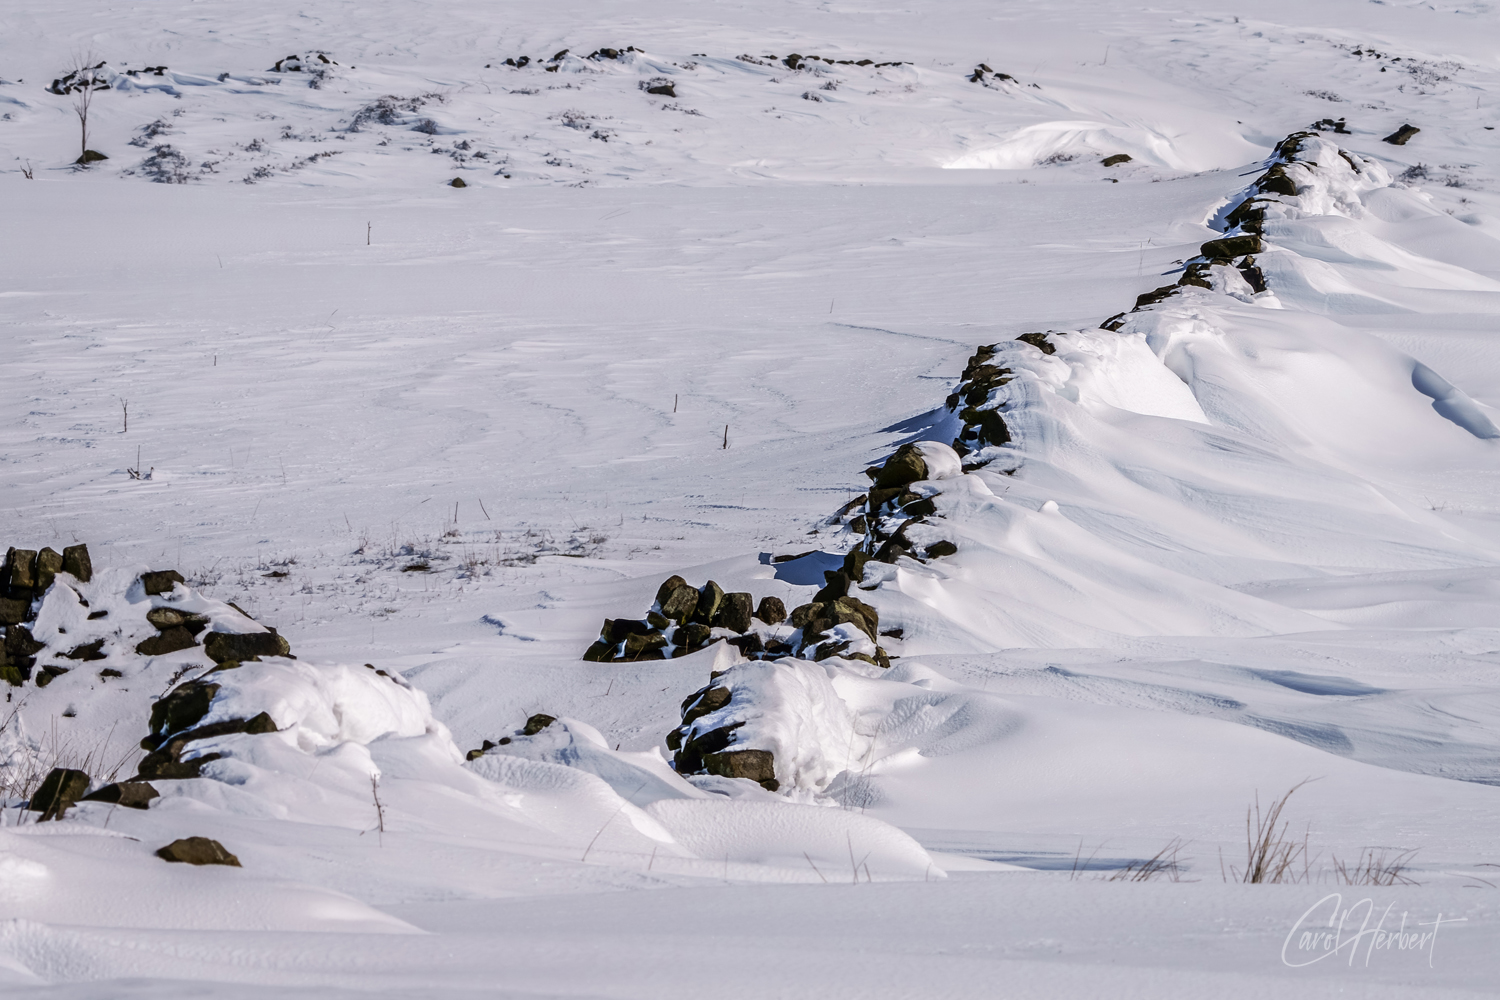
{"x": 639, "y": 647}
{"x": 703, "y": 702}
{"x": 735, "y": 612}
{"x": 131, "y": 794}
{"x": 536, "y": 724}
{"x": 663, "y": 90}
{"x": 1277, "y": 181}
{"x": 681, "y": 604}
{"x": 757, "y": 765}
{"x": 165, "y": 618}
{"x": 20, "y": 572}
{"x": 905, "y": 466}
{"x": 805, "y": 613}
{"x": 1232, "y": 246}
{"x": 668, "y": 588}
{"x": 49, "y": 563}
{"x": 457, "y": 182}
{"x": 1110, "y": 161}
{"x": 48, "y": 673}
{"x": 225, "y": 646}
{"x": 1152, "y": 297}
{"x": 771, "y": 611}
{"x": 691, "y": 637}
{"x": 1039, "y": 340}
{"x": 750, "y": 643}
{"x": 171, "y": 640}
{"x": 617, "y": 630}
{"x": 161, "y": 581}
{"x": 13, "y": 612}
{"x": 710, "y": 598}
{"x": 599, "y": 652}
{"x": 90, "y": 156}
{"x": 87, "y": 651}
{"x": 1402, "y": 135}
{"x": 197, "y": 851}
{"x": 689, "y": 759}
{"x": 60, "y": 790}
{"x": 180, "y": 710}
{"x": 76, "y": 561}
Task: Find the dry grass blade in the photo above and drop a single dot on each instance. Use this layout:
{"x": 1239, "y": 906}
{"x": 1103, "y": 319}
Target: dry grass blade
{"x": 1376, "y": 869}
{"x": 1163, "y": 864}
{"x": 1271, "y": 857}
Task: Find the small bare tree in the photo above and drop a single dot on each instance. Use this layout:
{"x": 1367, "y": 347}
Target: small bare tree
{"x": 82, "y": 82}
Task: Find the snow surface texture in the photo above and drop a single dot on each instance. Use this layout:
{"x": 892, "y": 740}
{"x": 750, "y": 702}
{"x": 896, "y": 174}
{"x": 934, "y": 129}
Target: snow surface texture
{"x": 1244, "y": 539}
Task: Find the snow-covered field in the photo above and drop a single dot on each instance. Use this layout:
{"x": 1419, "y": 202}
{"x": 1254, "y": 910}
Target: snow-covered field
{"x": 706, "y": 266}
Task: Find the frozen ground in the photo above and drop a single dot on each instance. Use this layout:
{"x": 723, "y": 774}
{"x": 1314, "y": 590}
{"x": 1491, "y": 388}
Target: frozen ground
{"x": 1247, "y": 540}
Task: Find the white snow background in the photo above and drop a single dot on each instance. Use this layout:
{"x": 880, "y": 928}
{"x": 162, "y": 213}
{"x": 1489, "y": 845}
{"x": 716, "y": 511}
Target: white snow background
{"x": 1244, "y": 541}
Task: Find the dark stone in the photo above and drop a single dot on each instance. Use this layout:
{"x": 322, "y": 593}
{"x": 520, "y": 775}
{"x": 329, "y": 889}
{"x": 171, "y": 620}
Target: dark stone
{"x": 20, "y": 571}
{"x": 1233, "y": 246}
{"x": 224, "y": 646}
{"x": 691, "y": 636}
{"x": 1402, "y": 135}
{"x": 710, "y": 598}
{"x": 198, "y": 851}
{"x": 735, "y": 612}
{"x": 856, "y": 612}
{"x": 771, "y": 611}
{"x": 88, "y": 651}
{"x": 49, "y": 563}
{"x": 703, "y": 702}
{"x": 164, "y": 765}
{"x": 668, "y": 588}
{"x": 905, "y": 466}
{"x": 1110, "y": 161}
{"x": 536, "y": 724}
{"x": 1039, "y": 340}
{"x": 657, "y": 620}
{"x": 663, "y": 90}
{"x": 854, "y": 565}
{"x": 474, "y": 755}
{"x": 1196, "y": 274}
{"x": 180, "y": 710}
{"x": 170, "y": 641}
{"x": 757, "y": 765}
{"x": 1112, "y": 324}
{"x": 1253, "y": 274}
{"x": 599, "y": 652}
{"x": 457, "y": 182}
{"x": 749, "y": 643}
{"x": 60, "y": 789}
{"x": 165, "y": 618}
{"x": 942, "y": 548}
{"x": 810, "y": 552}
{"x": 90, "y": 156}
{"x": 859, "y": 525}
{"x": 836, "y": 585}
{"x": 161, "y": 581}
{"x": 13, "y": 612}
{"x": 617, "y": 630}
{"x": 879, "y": 498}
{"x": 804, "y": 614}
{"x": 924, "y": 507}
{"x": 989, "y": 426}
{"x": 1277, "y": 181}
{"x": 130, "y": 794}
{"x": 49, "y": 673}
{"x": 637, "y": 646}
{"x": 1248, "y": 215}
{"x": 108, "y": 672}
{"x": 19, "y": 642}
{"x": 76, "y": 562}
{"x": 681, "y": 605}
{"x": 689, "y": 759}
{"x": 1155, "y": 296}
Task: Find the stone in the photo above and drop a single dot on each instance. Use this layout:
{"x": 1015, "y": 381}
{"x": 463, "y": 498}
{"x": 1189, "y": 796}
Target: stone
{"x": 1196, "y": 273}
{"x": 599, "y": 652}
{"x": 19, "y": 642}
{"x": 88, "y": 651}
{"x": 757, "y": 765}
{"x": 20, "y": 570}
{"x": 179, "y": 711}
{"x": 689, "y": 759}
{"x": 856, "y": 612}
{"x": 905, "y": 466}
{"x": 637, "y": 646}
{"x": 854, "y": 565}
{"x": 197, "y": 851}
{"x": 735, "y": 613}
{"x": 457, "y": 182}
{"x": 536, "y": 724}
{"x": 225, "y": 646}
{"x": 165, "y": 765}
{"x": 657, "y": 620}
{"x": 130, "y": 794}
{"x": 49, "y": 563}
{"x": 90, "y": 156}
{"x": 13, "y": 612}
{"x": 771, "y": 610}
{"x": 49, "y": 673}
{"x": 942, "y": 548}
{"x": 1233, "y": 246}
{"x": 859, "y": 525}
{"x": 1154, "y": 296}
{"x": 804, "y": 614}
{"x": 835, "y": 585}
{"x": 76, "y": 563}
{"x": 1402, "y": 135}
{"x": 617, "y": 630}
{"x": 165, "y": 618}
{"x": 161, "y": 581}
{"x": 1039, "y": 340}
{"x": 1253, "y": 275}
{"x": 59, "y": 790}
{"x": 691, "y": 636}
{"x": 1110, "y": 161}
{"x": 704, "y": 702}
{"x": 663, "y": 90}
{"x": 750, "y": 644}
{"x": 679, "y": 607}
{"x": 1277, "y": 181}
{"x": 709, "y": 600}
{"x": 879, "y": 498}
{"x": 474, "y": 755}
{"x": 923, "y": 507}
{"x": 170, "y": 641}
{"x": 989, "y": 426}
{"x": 668, "y": 588}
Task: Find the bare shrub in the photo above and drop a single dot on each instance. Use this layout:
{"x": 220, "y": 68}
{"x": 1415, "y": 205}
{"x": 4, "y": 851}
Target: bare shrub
{"x": 1163, "y": 864}
{"x": 1383, "y": 869}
